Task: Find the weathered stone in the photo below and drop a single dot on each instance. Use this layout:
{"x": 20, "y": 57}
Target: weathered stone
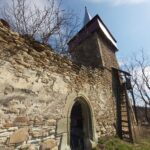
{"x": 5, "y": 134}
{"x": 49, "y": 137}
{"x": 49, "y": 144}
{"x": 3, "y": 147}
{"x": 8, "y": 125}
{"x": 23, "y": 147}
{"x": 51, "y": 122}
{"x": 103, "y": 130}
{"x": 19, "y": 136}
{"x": 12, "y": 128}
{"x": 3, "y": 139}
{"x": 47, "y": 128}
{"x": 52, "y": 132}
{"x": 32, "y": 147}
{"x": 8, "y": 89}
{"x": 61, "y": 126}
{"x": 31, "y": 122}
{"x": 36, "y": 134}
{"x": 13, "y": 110}
{"x": 34, "y": 141}
{"x": 93, "y": 144}
{"x": 3, "y": 130}
{"x": 45, "y": 134}
{"x": 26, "y": 147}
{"x": 55, "y": 148}
{"x": 21, "y": 121}
{"x": 38, "y": 121}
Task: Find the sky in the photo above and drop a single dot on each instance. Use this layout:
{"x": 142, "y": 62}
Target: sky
{"x": 128, "y": 21}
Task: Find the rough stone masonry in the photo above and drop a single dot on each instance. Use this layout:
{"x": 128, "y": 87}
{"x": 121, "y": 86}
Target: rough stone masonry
{"x": 38, "y": 88}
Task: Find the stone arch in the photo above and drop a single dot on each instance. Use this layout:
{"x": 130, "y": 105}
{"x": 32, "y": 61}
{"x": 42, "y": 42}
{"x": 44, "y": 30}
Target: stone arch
{"x": 81, "y": 131}
{"x": 87, "y": 107}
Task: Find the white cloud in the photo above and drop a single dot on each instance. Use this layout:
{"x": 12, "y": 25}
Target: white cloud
{"x": 120, "y": 2}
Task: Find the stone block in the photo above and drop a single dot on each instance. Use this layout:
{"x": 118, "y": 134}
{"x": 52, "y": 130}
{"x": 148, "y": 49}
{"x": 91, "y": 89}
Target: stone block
{"x": 38, "y": 121}
{"x": 21, "y": 121}
{"x": 37, "y": 134}
{"x": 8, "y": 89}
{"x": 62, "y": 126}
{"x": 3, "y": 130}
{"x": 2, "y": 147}
{"x": 36, "y": 141}
{"x": 12, "y": 128}
{"x": 49, "y": 137}
{"x": 51, "y": 122}
{"x": 55, "y": 148}
{"x": 32, "y": 147}
{"x": 3, "y": 140}
{"x": 19, "y": 136}
{"x": 13, "y": 110}
{"x": 52, "y": 132}
{"x": 26, "y": 147}
{"x": 49, "y": 144}
{"x": 8, "y": 125}
{"x": 5, "y": 134}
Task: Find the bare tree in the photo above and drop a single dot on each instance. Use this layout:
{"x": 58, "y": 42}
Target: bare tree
{"x": 48, "y": 22}
{"x": 140, "y": 71}
{"x": 68, "y": 30}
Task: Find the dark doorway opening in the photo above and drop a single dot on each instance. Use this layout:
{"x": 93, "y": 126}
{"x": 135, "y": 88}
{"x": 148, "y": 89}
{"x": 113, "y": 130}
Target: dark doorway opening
{"x": 77, "y": 133}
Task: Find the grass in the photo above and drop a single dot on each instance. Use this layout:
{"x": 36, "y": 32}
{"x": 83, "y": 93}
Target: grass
{"x": 117, "y": 144}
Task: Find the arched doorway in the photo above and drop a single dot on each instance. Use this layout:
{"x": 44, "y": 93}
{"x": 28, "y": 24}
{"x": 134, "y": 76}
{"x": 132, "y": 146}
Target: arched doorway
{"x": 81, "y": 126}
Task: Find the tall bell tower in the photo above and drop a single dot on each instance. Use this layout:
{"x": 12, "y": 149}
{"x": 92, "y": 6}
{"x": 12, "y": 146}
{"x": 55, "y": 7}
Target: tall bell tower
{"x": 94, "y": 45}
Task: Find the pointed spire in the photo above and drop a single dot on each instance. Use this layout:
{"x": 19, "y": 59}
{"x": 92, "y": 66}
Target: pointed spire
{"x": 87, "y": 17}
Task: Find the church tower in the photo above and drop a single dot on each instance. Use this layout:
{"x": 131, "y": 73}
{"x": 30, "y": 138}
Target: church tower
{"x": 94, "y": 45}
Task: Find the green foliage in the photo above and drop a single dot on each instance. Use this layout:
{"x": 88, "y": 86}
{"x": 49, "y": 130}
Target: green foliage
{"x": 117, "y": 144}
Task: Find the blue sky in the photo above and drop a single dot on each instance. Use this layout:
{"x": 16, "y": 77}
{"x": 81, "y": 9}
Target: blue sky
{"x": 128, "y": 21}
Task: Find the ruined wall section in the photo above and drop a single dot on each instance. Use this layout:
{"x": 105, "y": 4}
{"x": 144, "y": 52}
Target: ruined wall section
{"x": 35, "y": 84}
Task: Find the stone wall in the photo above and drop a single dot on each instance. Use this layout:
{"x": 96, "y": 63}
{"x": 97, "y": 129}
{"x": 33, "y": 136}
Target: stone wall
{"x": 107, "y": 52}
{"x": 37, "y": 88}
{"x": 87, "y": 52}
